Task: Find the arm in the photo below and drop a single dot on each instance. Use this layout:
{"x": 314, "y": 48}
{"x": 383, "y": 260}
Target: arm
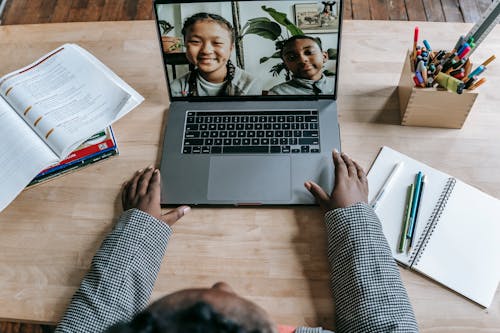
{"x": 122, "y": 274}
{"x": 367, "y": 287}
{"x": 124, "y": 270}
{"x": 368, "y": 291}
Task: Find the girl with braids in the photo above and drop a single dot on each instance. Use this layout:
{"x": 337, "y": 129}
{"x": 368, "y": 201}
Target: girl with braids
{"x": 209, "y": 42}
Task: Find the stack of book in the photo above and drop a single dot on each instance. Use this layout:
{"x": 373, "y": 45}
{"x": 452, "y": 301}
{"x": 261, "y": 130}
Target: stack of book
{"x": 96, "y": 148}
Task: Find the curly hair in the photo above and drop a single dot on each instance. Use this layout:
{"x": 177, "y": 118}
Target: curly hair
{"x": 198, "y": 318}
{"x": 285, "y": 43}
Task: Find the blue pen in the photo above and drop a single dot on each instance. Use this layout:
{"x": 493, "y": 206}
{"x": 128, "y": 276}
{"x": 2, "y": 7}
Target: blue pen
{"x": 427, "y": 46}
{"x": 416, "y": 194}
{"x": 477, "y": 71}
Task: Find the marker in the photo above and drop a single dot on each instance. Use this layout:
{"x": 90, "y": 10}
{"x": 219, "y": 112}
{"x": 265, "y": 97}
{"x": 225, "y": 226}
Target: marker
{"x": 386, "y": 185}
{"x": 427, "y": 46}
{"x": 419, "y": 201}
{"x": 477, "y": 71}
{"x": 414, "y": 204}
{"x": 464, "y": 52}
{"x": 415, "y": 40}
{"x": 406, "y": 218}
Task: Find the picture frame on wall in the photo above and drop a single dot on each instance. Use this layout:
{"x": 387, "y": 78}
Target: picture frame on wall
{"x": 317, "y": 17}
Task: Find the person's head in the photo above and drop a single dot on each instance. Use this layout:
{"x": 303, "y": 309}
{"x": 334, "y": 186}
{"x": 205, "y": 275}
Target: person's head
{"x": 304, "y": 57}
{"x": 209, "y": 42}
{"x": 215, "y": 309}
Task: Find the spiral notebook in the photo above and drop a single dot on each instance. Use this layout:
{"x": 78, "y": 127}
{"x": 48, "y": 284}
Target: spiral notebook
{"x": 457, "y": 231}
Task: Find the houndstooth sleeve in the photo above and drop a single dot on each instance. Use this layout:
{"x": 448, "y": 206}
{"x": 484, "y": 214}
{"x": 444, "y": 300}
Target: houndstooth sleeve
{"x": 368, "y": 291}
{"x": 121, "y": 276}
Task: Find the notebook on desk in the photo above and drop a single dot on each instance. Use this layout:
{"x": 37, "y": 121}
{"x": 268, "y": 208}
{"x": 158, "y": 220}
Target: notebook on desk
{"x": 458, "y": 228}
{"x": 244, "y": 139}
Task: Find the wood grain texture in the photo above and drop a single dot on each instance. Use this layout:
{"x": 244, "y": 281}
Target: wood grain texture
{"x": 273, "y": 256}
{"x": 416, "y": 10}
{"x": 452, "y": 11}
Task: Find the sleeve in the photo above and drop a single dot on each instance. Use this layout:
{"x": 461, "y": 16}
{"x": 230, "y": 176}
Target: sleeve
{"x": 368, "y": 290}
{"x": 122, "y": 274}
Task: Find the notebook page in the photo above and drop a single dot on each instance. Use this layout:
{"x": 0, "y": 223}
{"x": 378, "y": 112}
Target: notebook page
{"x": 391, "y": 208}
{"x": 463, "y": 252}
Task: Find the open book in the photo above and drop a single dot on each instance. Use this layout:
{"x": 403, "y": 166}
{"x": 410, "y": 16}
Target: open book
{"x": 457, "y": 230}
{"x": 48, "y": 108}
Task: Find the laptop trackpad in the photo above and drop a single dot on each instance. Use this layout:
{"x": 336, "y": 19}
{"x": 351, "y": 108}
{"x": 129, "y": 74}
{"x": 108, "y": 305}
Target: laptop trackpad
{"x": 249, "y": 179}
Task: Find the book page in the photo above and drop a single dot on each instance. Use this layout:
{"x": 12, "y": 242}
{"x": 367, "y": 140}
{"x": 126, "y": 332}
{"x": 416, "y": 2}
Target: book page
{"x": 391, "y": 208}
{"x": 463, "y": 252}
{"x": 22, "y": 154}
{"x": 65, "y": 98}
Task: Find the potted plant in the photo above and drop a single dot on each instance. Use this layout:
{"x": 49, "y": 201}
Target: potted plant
{"x": 170, "y": 43}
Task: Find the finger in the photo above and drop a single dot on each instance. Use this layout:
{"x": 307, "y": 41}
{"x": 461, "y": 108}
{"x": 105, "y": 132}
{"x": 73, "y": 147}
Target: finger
{"x": 175, "y": 214}
{"x": 360, "y": 172}
{"x": 321, "y": 197}
{"x": 351, "y": 169}
{"x": 340, "y": 167}
{"x": 154, "y": 184}
{"x": 143, "y": 183}
{"x": 132, "y": 185}
{"x": 124, "y": 195}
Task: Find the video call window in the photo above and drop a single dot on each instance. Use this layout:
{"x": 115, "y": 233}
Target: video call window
{"x": 250, "y": 48}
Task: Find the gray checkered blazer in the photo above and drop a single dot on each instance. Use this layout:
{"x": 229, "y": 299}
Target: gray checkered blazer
{"x": 368, "y": 291}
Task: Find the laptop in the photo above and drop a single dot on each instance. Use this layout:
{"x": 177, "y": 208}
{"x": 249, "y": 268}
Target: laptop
{"x": 253, "y": 113}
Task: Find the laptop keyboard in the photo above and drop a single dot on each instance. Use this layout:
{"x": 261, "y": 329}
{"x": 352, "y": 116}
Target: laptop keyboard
{"x": 261, "y": 132}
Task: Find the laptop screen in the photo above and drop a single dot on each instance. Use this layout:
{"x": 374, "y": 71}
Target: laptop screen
{"x": 250, "y": 49}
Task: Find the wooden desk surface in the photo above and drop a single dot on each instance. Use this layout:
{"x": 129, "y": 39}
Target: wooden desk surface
{"x": 274, "y": 256}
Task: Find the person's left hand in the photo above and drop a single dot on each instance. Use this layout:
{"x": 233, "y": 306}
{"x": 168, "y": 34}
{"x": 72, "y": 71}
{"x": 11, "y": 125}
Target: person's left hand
{"x": 142, "y": 191}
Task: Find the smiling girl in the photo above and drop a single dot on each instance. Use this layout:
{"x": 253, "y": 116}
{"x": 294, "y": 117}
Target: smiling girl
{"x": 209, "y": 42}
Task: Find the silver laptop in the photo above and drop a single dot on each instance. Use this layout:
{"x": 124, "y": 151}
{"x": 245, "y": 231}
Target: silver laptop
{"x": 253, "y": 91}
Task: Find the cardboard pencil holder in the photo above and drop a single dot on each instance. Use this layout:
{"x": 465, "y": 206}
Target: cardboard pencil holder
{"x": 431, "y": 107}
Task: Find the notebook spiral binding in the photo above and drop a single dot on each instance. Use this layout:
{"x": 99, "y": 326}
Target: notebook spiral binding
{"x": 432, "y": 222}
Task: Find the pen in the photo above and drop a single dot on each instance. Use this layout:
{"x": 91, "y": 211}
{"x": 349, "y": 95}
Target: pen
{"x": 478, "y": 83}
{"x": 406, "y": 218}
{"x": 419, "y": 200}
{"x": 386, "y": 185}
{"x": 487, "y": 61}
{"x": 414, "y": 204}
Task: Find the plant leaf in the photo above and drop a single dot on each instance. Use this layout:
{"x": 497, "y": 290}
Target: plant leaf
{"x": 266, "y": 29}
{"x": 283, "y": 20}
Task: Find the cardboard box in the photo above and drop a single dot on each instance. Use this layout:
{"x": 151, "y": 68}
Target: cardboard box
{"x": 431, "y": 107}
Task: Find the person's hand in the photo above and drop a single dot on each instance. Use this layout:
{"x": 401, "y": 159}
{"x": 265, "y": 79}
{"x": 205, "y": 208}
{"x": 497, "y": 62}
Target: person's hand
{"x": 351, "y": 185}
{"x": 142, "y": 191}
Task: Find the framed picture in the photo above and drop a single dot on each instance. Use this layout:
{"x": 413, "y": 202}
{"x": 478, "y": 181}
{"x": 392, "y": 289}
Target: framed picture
{"x": 320, "y": 17}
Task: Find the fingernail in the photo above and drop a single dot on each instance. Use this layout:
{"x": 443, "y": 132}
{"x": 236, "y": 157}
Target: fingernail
{"x": 139, "y": 171}
{"x": 186, "y": 210}
{"x": 150, "y": 167}
{"x": 335, "y": 150}
{"x": 157, "y": 171}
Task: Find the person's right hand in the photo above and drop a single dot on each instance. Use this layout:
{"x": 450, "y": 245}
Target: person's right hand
{"x": 351, "y": 185}
{"x": 142, "y": 191}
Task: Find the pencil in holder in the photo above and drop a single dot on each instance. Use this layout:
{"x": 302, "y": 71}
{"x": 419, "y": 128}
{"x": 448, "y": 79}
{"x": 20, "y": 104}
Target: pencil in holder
{"x": 431, "y": 107}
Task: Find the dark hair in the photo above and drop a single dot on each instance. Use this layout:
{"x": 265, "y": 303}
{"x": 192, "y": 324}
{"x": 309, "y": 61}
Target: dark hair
{"x": 207, "y": 16}
{"x": 298, "y": 37}
{"x": 198, "y": 318}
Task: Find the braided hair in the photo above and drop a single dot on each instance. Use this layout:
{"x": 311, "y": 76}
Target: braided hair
{"x": 227, "y": 89}
{"x": 198, "y": 318}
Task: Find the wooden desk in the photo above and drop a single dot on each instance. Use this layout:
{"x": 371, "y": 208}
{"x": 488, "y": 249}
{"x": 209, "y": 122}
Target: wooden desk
{"x": 274, "y": 256}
